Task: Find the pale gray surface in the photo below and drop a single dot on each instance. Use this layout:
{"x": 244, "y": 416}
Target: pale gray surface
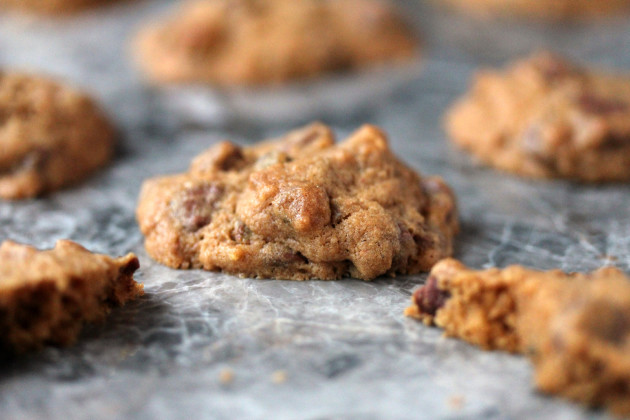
{"x": 345, "y": 346}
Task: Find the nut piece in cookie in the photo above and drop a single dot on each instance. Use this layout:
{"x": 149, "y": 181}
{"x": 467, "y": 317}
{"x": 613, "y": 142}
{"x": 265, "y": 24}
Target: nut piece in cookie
{"x": 53, "y": 7}
{"x": 574, "y": 327}
{"x": 545, "y": 117}
{"x": 47, "y": 296}
{"x": 544, "y": 9}
{"x": 298, "y": 208}
{"x": 256, "y": 42}
{"x": 50, "y": 136}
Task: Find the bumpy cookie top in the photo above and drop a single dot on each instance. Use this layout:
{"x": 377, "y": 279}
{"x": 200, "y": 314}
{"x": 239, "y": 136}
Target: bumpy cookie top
{"x": 46, "y": 296}
{"x": 298, "y": 208}
{"x": 547, "y": 117}
{"x": 50, "y": 135}
{"x": 250, "y": 42}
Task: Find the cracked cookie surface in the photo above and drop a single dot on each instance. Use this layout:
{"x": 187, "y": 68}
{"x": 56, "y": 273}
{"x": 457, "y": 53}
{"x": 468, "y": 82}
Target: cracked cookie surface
{"x": 300, "y": 208}
{"x": 50, "y": 136}
{"x": 47, "y": 296}
{"x": 545, "y": 117}
{"x": 546, "y": 9}
{"x": 255, "y": 42}
{"x": 574, "y": 327}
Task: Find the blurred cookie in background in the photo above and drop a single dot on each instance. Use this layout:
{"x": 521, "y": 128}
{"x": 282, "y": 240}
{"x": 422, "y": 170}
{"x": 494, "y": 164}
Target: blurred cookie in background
{"x": 546, "y": 117}
{"x": 245, "y": 42}
{"x": 51, "y": 135}
{"x": 547, "y": 9}
{"x": 54, "y": 6}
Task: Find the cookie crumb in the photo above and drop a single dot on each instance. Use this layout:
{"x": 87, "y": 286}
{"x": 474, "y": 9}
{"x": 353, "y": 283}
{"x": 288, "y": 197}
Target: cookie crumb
{"x": 226, "y": 376}
{"x": 279, "y": 377}
{"x": 456, "y": 402}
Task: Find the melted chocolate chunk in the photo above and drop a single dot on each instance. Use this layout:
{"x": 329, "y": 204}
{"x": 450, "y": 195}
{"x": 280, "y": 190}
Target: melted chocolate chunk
{"x": 231, "y": 159}
{"x": 130, "y": 268}
{"x": 241, "y": 233}
{"x": 36, "y": 159}
{"x": 429, "y": 298}
{"x": 598, "y": 105}
{"x": 607, "y": 322}
{"x": 193, "y": 207}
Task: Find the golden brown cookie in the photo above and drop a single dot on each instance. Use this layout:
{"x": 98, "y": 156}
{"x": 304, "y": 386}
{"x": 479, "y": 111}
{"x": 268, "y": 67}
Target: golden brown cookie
{"x": 300, "y": 208}
{"x": 50, "y": 136}
{"x": 256, "y": 42}
{"x": 53, "y": 6}
{"x": 546, "y": 9}
{"x": 47, "y": 296}
{"x": 574, "y": 327}
{"x": 545, "y": 117}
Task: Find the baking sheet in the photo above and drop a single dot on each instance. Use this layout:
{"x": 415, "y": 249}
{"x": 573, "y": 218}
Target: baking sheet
{"x": 344, "y": 348}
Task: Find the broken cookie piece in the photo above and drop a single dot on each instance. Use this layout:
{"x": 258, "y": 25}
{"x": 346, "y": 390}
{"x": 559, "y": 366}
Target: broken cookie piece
{"x": 300, "y": 208}
{"x": 47, "y": 296}
{"x": 50, "y": 136}
{"x": 546, "y": 117}
{"x": 574, "y": 327}
{"x": 255, "y": 42}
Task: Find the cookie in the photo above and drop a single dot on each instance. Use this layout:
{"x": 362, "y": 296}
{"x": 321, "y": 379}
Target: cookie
{"x": 546, "y": 9}
{"x": 47, "y": 296}
{"x": 546, "y": 117}
{"x": 574, "y": 327}
{"x": 256, "y": 42}
{"x": 300, "y": 208}
{"x": 53, "y": 6}
{"x": 50, "y": 136}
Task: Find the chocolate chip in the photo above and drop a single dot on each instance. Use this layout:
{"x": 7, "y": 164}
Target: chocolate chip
{"x": 429, "y": 298}
{"x": 231, "y": 159}
{"x": 35, "y": 159}
{"x": 405, "y": 237}
{"x": 290, "y": 258}
{"x": 241, "y": 233}
{"x": 193, "y": 207}
{"x": 607, "y": 322}
{"x": 130, "y": 268}
{"x": 598, "y": 105}
{"x": 615, "y": 141}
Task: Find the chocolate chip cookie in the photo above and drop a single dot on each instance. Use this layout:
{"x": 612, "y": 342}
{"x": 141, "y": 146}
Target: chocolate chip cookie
{"x": 574, "y": 327}
{"x": 546, "y": 117}
{"x": 300, "y": 208}
{"x": 53, "y": 6}
{"x": 256, "y": 42}
{"x": 46, "y": 296}
{"x": 50, "y": 136}
{"x": 547, "y": 9}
